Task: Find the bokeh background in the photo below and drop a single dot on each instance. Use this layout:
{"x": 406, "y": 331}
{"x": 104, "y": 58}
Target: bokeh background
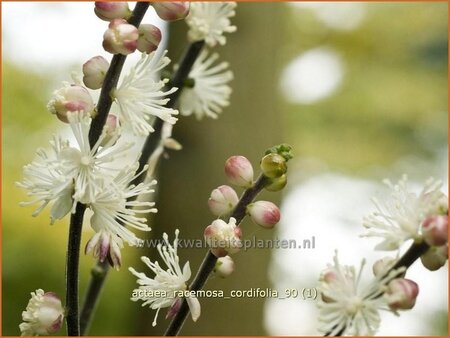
{"x": 358, "y": 89}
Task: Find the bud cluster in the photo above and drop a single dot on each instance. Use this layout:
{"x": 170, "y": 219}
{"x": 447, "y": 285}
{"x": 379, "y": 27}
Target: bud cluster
{"x": 225, "y": 238}
{"x": 435, "y": 234}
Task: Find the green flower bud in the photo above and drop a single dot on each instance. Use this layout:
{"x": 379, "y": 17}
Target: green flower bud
{"x": 277, "y": 184}
{"x": 273, "y": 165}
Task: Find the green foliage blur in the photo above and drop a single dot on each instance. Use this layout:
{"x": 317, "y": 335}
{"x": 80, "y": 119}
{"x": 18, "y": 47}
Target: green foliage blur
{"x": 392, "y": 103}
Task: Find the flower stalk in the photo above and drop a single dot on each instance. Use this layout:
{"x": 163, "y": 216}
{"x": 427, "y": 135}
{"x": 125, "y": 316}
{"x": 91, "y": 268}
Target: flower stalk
{"x": 100, "y": 271}
{"x": 76, "y": 221}
{"x": 210, "y": 260}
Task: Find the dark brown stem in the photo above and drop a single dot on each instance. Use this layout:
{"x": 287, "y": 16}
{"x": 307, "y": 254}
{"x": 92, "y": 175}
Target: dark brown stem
{"x": 210, "y": 260}
{"x": 73, "y": 251}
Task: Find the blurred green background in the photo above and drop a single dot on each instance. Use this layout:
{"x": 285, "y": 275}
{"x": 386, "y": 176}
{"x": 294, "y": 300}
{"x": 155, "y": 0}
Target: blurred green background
{"x": 391, "y": 103}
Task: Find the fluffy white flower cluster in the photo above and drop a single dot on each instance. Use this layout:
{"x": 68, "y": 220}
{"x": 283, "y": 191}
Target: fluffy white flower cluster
{"x": 346, "y": 308}
{"x": 72, "y": 174}
{"x": 401, "y": 217}
{"x": 161, "y": 291}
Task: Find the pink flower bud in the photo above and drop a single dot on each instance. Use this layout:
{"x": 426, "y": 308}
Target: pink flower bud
{"x": 70, "y": 98}
{"x": 149, "y": 38}
{"x": 120, "y": 37}
{"x": 222, "y": 200}
{"x": 102, "y": 247}
{"x": 174, "y": 308}
{"x": 224, "y": 267}
{"x": 44, "y": 314}
{"x": 111, "y": 130}
{"x": 223, "y": 238}
{"x": 264, "y": 213}
{"x": 112, "y": 10}
{"x": 401, "y": 294}
{"x": 239, "y": 171}
{"x": 171, "y": 10}
{"x": 435, "y": 230}
{"x": 435, "y": 257}
{"x": 94, "y": 71}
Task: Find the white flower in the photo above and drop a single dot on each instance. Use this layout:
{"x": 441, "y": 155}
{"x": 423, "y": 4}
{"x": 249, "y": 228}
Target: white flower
{"x": 399, "y": 218}
{"x": 67, "y": 174}
{"x": 141, "y": 96}
{"x": 47, "y": 179}
{"x": 344, "y": 307}
{"x": 44, "y": 314}
{"x": 166, "y": 282}
{"x": 209, "y": 21}
{"x": 210, "y": 92}
{"x": 115, "y": 206}
{"x": 91, "y": 164}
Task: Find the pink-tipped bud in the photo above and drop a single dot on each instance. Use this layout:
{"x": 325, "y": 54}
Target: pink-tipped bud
{"x": 171, "y": 10}
{"x": 149, "y": 38}
{"x": 223, "y": 238}
{"x": 104, "y": 247}
{"x": 273, "y": 165}
{"x": 239, "y": 171}
{"x": 264, "y": 213}
{"x": 94, "y": 71}
{"x": 112, "y": 10}
{"x": 111, "y": 130}
{"x": 435, "y": 257}
{"x": 382, "y": 266}
{"x": 222, "y": 200}
{"x": 174, "y": 308}
{"x": 120, "y": 37}
{"x": 401, "y": 294}
{"x": 44, "y": 314}
{"x": 224, "y": 267}
{"x": 328, "y": 276}
{"x": 435, "y": 230}
{"x": 70, "y": 98}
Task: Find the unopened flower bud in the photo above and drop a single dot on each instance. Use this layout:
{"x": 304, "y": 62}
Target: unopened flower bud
{"x": 175, "y": 307}
{"x": 222, "y": 200}
{"x": 328, "y": 276}
{"x": 223, "y": 238}
{"x": 111, "y": 130}
{"x": 112, "y": 10}
{"x": 149, "y": 38}
{"x": 120, "y": 37}
{"x": 435, "y": 257}
{"x": 103, "y": 246}
{"x": 435, "y": 230}
{"x": 382, "y": 266}
{"x": 264, "y": 213}
{"x": 277, "y": 184}
{"x": 70, "y": 98}
{"x": 44, "y": 314}
{"x": 94, "y": 71}
{"x": 239, "y": 171}
{"x": 273, "y": 165}
{"x": 171, "y": 10}
{"x": 224, "y": 267}
{"x": 401, "y": 294}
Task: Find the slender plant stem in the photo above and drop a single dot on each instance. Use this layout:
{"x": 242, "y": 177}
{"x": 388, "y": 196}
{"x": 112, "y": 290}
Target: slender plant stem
{"x": 179, "y": 77}
{"x": 73, "y": 254}
{"x": 111, "y": 79}
{"x": 100, "y": 271}
{"x": 76, "y": 221}
{"x": 210, "y": 260}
